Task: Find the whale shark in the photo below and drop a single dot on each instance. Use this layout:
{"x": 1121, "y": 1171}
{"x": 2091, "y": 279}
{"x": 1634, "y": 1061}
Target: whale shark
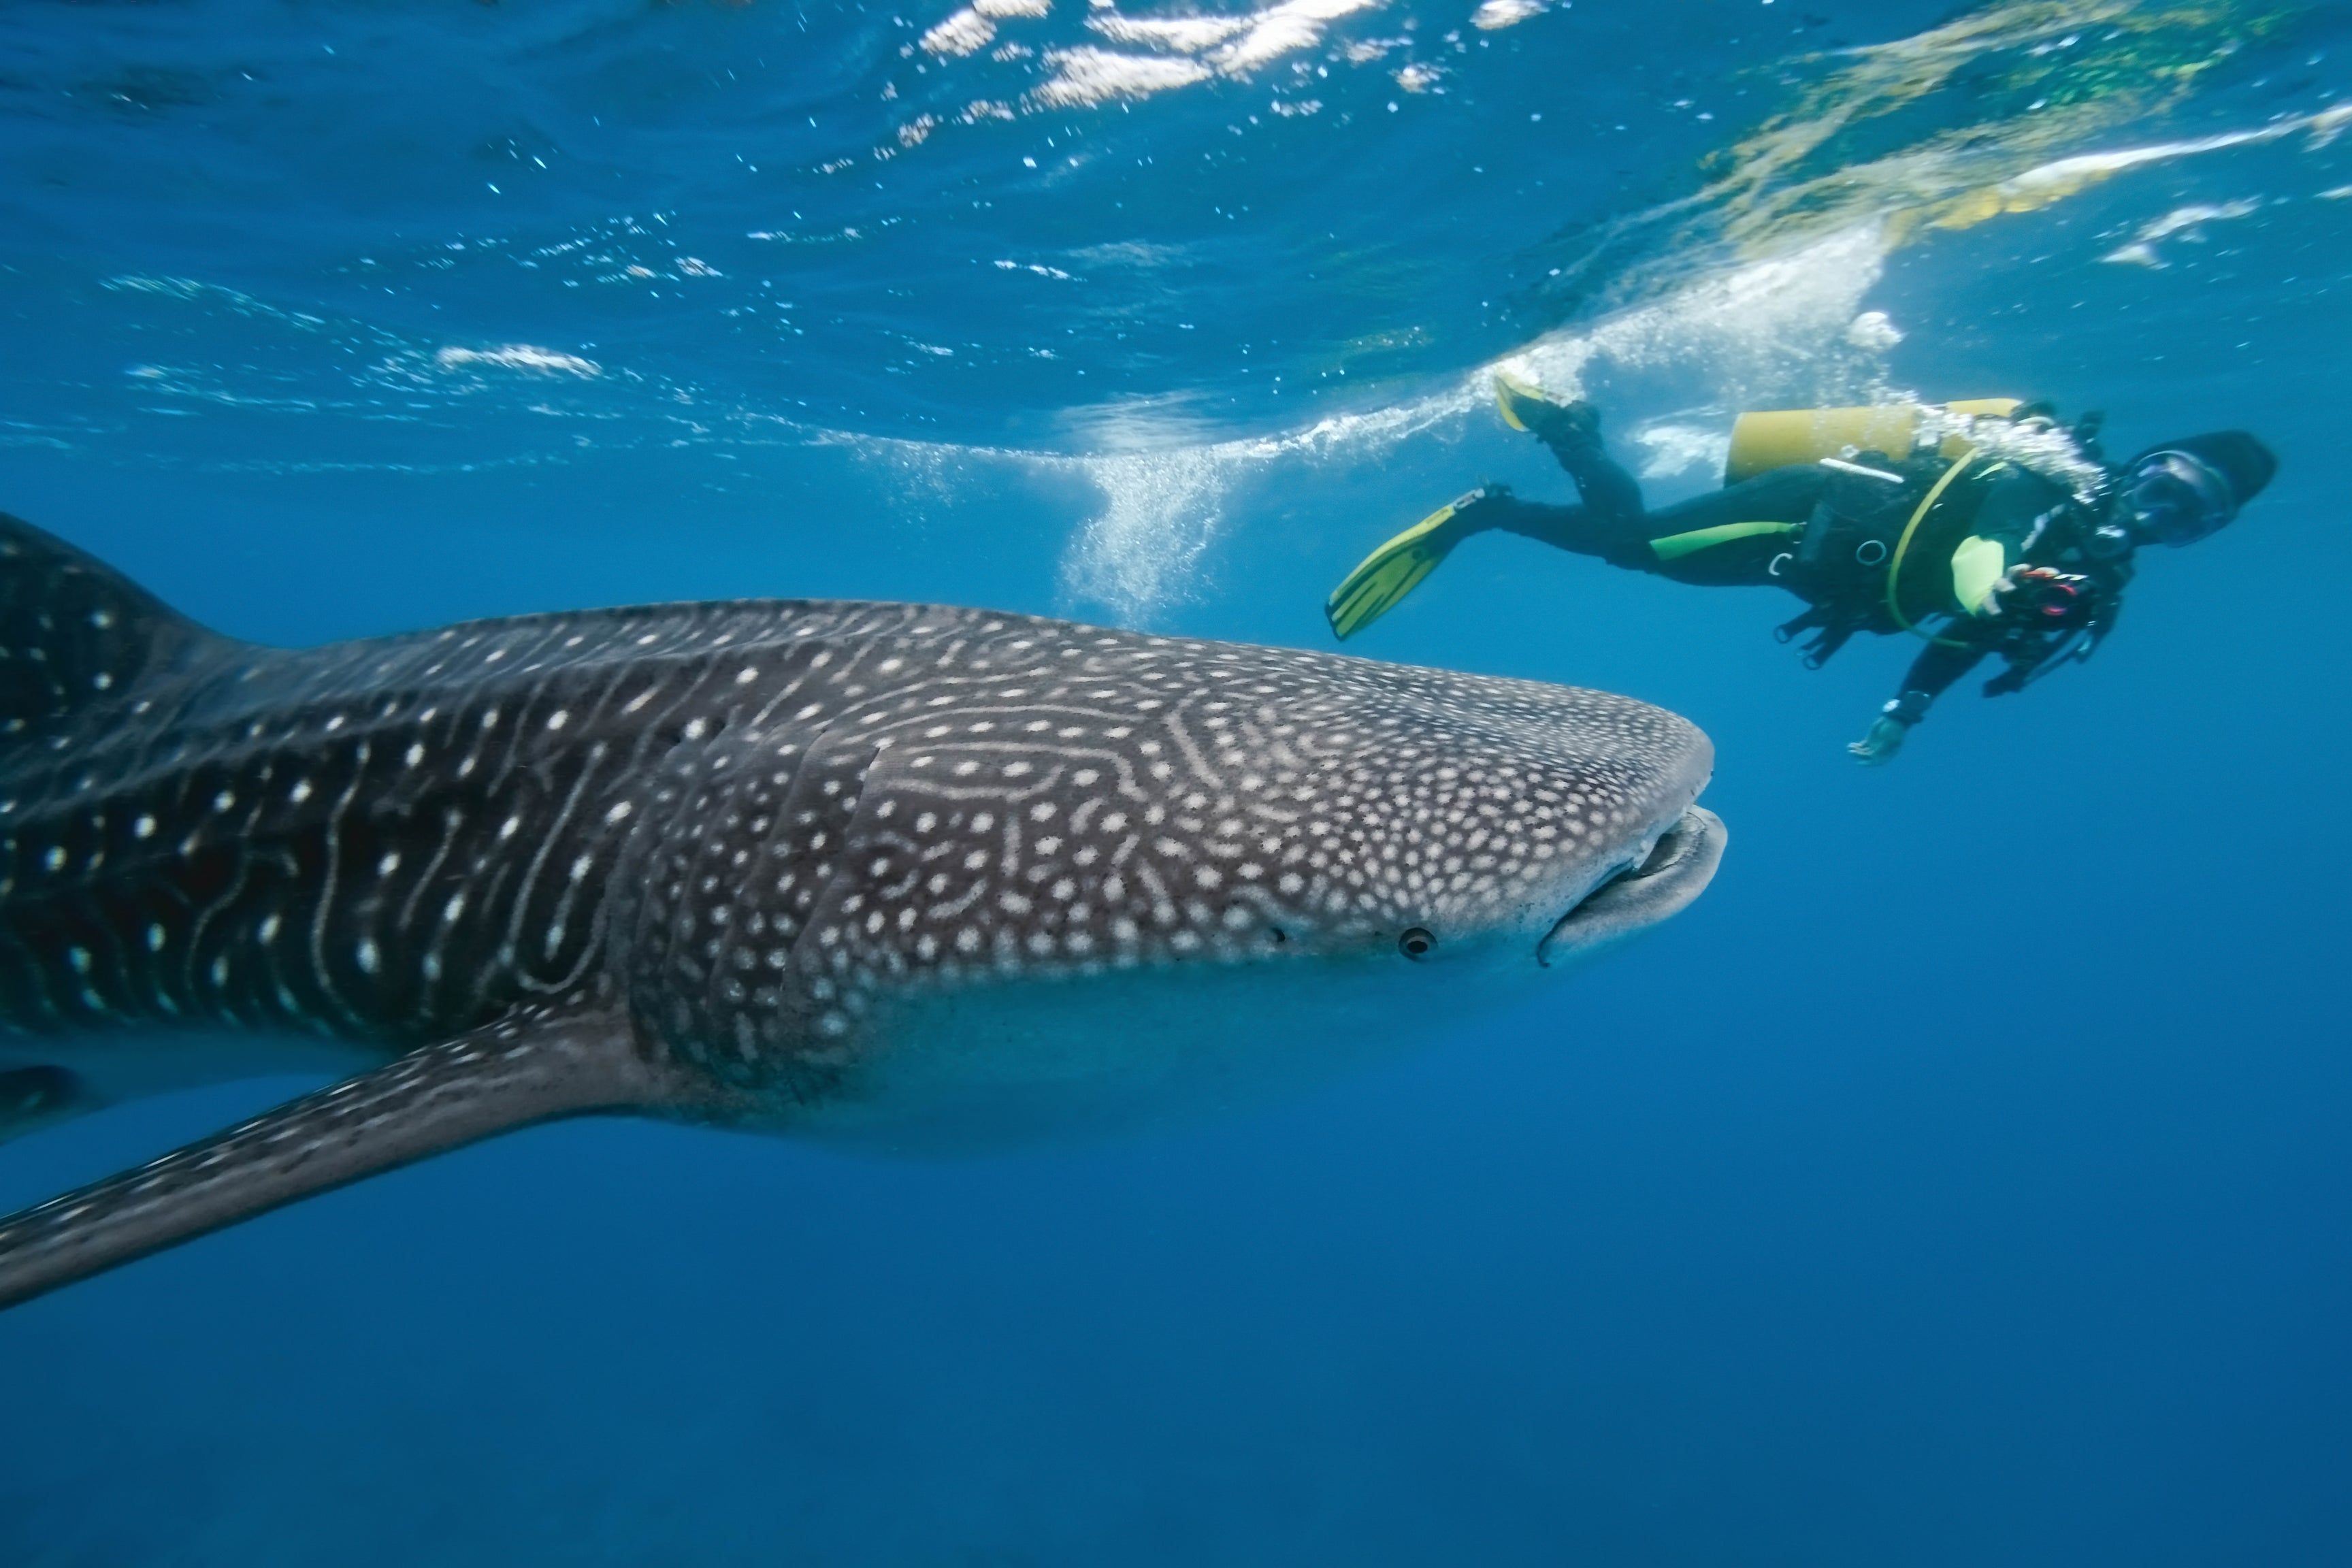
{"x": 907, "y": 876}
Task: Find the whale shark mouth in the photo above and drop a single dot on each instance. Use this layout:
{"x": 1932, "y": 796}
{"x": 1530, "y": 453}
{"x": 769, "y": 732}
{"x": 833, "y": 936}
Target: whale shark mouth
{"x": 1677, "y": 869}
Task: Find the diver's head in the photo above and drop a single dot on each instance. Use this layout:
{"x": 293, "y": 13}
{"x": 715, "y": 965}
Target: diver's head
{"x": 2184, "y": 490}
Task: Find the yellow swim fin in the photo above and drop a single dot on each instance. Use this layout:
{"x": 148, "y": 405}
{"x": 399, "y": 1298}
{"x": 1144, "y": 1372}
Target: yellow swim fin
{"x": 1391, "y": 572}
{"x": 1511, "y": 394}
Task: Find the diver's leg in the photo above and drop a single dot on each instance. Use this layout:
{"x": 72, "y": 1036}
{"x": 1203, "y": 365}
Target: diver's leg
{"x": 1574, "y": 438}
{"x": 1578, "y": 530}
{"x": 1572, "y": 430}
{"x": 1726, "y": 538}
{"x": 1735, "y": 537}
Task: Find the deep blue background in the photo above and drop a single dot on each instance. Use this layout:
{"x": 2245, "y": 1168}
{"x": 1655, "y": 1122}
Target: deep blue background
{"x": 1963, "y": 1179}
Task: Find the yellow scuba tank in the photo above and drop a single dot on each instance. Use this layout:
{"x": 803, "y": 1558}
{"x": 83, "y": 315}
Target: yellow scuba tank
{"x": 1776, "y": 439}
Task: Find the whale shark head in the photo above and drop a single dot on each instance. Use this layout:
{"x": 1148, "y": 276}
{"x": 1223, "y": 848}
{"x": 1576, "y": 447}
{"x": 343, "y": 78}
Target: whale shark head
{"x": 1126, "y": 874}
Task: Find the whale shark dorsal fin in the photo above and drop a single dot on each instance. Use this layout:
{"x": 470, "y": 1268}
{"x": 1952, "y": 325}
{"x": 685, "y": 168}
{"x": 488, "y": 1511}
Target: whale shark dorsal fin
{"x": 75, "y": 634}
{"x": 36, "y": 1097}
{"x": 533, "y": 1067}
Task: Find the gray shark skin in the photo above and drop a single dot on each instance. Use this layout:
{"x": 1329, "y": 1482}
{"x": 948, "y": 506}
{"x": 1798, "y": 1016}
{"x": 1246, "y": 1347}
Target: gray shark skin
{"x": 918, "y": 877}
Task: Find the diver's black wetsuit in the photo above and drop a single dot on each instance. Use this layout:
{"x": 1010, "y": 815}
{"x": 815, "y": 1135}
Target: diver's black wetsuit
{"x": 1831, "y": 536}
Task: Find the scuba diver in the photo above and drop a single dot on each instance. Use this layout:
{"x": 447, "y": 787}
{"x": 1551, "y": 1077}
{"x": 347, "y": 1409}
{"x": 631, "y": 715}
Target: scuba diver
{"x": 1982, "y": 528}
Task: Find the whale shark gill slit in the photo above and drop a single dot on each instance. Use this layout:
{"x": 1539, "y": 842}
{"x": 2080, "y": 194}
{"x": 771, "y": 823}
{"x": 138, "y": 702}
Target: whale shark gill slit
{"x": 914, "y": 876}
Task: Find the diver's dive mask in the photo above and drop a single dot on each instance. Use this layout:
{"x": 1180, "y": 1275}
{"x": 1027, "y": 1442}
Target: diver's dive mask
{"x": 2171, "y": 498}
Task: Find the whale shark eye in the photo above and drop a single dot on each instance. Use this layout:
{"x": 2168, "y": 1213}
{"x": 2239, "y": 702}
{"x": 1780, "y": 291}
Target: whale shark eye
{"x": 1416, "y": 944}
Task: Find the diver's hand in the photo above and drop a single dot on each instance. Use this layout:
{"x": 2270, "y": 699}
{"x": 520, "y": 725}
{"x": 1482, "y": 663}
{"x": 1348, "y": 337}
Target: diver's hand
{"x": 1885, "y": 738}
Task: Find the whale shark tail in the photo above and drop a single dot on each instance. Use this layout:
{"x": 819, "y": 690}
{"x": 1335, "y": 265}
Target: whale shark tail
{"x": 75, "y": 634}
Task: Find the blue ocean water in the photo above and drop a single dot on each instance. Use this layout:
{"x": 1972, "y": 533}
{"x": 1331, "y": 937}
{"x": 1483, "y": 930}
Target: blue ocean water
{"x": 1962, "y": 1180}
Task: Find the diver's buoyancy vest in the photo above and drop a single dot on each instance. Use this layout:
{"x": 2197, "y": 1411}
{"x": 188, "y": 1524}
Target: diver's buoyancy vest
{"x": 1880, "y": 552}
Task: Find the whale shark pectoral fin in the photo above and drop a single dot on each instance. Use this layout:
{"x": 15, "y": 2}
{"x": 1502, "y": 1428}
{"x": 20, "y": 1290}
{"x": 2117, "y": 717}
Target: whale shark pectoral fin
{"x": 528, "y": 1067}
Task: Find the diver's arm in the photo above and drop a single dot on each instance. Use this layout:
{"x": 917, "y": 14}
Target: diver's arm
{"x": 2070, "y": 639}
{"x": 2019, "y": 509}
{"x": 1939, "y": 664}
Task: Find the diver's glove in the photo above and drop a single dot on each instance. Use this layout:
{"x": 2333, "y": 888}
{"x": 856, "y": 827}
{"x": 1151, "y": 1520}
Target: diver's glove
{"x": 1890, "y": 730}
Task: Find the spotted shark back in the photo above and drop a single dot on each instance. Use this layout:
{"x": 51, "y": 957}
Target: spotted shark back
{"x": 75, "y": 634}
